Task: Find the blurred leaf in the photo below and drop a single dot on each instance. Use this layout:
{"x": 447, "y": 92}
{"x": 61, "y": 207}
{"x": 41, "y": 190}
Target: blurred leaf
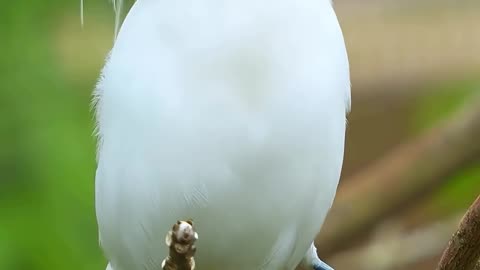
{"x": 441, "y": 102}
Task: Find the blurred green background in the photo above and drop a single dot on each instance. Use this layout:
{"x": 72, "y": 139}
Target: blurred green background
{"x": 413, "y": 65}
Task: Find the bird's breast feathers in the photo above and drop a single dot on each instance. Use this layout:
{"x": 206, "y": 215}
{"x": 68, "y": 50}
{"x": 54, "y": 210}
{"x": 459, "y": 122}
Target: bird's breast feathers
{"x": 231, "y": 114}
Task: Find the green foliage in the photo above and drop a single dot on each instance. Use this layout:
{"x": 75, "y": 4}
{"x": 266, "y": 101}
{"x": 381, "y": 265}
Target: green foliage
{"x": 455, "y": 196}
{"x": 47, "y": 160}
{"x": 463, "y": 186}
{"x": 443, "y": 100}
{"x": 461, "y": 191}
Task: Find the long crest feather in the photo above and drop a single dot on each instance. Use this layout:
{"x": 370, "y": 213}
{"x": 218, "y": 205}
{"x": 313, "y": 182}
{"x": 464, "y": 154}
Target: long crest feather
{"x": 117, "y": 8}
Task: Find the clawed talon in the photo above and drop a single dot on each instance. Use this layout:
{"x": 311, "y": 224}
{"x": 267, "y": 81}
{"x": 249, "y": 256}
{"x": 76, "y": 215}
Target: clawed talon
{"x": 311, "y": 260}
{"x": 181, "y": 242}
{"x": 322, "y": 266}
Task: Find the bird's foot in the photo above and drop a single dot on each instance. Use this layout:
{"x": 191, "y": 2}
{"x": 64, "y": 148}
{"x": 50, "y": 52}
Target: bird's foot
{"x": 321, "y": 266}
{"x": 311, "y": 260}
{"x": 181, "y": 242}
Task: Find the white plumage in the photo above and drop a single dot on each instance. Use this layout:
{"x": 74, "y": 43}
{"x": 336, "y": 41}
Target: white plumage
{"x": 228, "y": 112}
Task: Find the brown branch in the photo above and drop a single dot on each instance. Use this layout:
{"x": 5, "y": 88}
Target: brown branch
{"x": 399, "y": 178}
{"x": 463, "y": 250}
{"x": 181, "y": 242}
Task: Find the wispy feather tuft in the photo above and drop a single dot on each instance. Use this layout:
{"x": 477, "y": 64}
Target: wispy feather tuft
{"x": 117, "y": 8}
{"x": 81, "y": 12}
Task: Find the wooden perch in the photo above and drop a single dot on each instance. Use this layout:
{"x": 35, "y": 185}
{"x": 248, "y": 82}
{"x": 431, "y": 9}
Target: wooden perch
{"x": 395, "y": 181}
{"x": 181, "y": 242}
{"x": 463, "y": 250}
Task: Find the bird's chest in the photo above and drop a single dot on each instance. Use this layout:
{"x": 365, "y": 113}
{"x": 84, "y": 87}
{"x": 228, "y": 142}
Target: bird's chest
{"x": 244, "y": 49}
{"x": 216, "y": 113}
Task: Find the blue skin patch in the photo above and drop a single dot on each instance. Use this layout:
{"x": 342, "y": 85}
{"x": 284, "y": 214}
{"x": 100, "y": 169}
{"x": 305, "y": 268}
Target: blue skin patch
{"x": 322, "y": 266}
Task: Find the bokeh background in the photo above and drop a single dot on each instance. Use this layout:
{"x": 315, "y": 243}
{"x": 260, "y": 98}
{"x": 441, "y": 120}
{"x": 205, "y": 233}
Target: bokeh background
{"x": 412, "y": 163}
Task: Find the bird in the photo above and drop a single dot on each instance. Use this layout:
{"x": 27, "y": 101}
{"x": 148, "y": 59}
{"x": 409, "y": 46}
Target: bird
{"x": 230, "y": 113}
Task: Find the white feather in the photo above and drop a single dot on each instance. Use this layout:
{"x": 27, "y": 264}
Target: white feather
{"x": 228, "y": 112}
{"x": 117, "y": 8}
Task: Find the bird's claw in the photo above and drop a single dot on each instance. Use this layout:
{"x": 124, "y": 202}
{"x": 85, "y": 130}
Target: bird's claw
{"x": 322, "y": 266}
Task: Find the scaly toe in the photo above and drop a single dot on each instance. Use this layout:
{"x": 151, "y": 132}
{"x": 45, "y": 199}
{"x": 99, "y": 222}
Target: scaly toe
{"x": 322, "y": 266}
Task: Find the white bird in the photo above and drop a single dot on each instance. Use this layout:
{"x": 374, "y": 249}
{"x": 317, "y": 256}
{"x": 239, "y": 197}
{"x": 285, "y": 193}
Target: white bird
{"x": 229, "y": 112}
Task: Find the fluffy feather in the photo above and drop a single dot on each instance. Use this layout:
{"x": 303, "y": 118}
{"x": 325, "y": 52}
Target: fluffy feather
{"x": 228, "y": 112}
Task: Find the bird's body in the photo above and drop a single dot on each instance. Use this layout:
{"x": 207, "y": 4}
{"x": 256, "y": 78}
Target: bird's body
{"x": 228, "y": 112}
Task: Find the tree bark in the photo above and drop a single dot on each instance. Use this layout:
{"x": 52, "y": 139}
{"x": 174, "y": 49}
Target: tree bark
{"x": 463, "y": 250}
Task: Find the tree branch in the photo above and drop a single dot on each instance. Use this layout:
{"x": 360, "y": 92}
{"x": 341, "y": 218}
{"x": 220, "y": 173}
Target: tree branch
{"x": 463, "y": 250}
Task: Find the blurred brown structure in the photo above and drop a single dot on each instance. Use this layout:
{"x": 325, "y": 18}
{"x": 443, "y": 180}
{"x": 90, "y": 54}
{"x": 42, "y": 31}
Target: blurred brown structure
{"x": 402, "y": 52}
